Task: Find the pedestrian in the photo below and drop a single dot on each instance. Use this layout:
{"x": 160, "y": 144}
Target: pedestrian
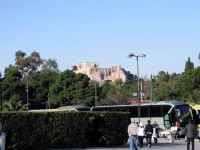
{"x": 132, "y": 132}
{"x": 138, "y": 144}
{"x": 178, "y": 125}
{"x": 155, "y": 132}
{"x": 2, "y": 138}
{"x": 185, "y": 139}
{"x": 141, "y": 134}
{"x": 190, "y": 134}
{"x": 148, "y": 132}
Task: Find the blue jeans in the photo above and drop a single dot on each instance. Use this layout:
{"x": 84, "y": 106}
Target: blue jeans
{"x": 155, "y": 140}
{"x": 133, "y": 142}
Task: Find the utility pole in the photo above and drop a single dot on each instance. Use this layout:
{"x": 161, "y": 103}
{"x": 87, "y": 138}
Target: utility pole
{"x": 138, "y": 82}
{"x": 151, "y": 89}
{"x": 26, "y": 75}
{"x": 49, "y": 101}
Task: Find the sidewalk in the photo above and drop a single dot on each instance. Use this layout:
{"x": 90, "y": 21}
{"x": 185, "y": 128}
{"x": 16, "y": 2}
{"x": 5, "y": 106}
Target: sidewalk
{"x": 163, "y": 144}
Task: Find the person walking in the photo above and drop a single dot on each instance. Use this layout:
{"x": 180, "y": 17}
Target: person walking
{"x": 148, "y": 133}
{"x": 132, "y": 132}
{"x": 190, "y": 134}
{"x": 2, "y": 138}
{"x": 141, "y": 134}
{"x": 178, "y": 125}
{"x": 155, "y": 132}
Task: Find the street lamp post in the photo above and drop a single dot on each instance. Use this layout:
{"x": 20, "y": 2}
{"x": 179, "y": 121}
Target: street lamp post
{"x": 138, "y": 91}
{"x": 26, "y": 74}
{"x": 135, "y": 94}
{"x": 142, "y": 93}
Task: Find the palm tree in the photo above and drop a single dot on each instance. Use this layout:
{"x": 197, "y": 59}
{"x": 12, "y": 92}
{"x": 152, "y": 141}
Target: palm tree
{"x": 14, "y": 106}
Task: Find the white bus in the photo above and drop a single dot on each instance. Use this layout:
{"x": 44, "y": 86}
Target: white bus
{"x": 165, "y": 113}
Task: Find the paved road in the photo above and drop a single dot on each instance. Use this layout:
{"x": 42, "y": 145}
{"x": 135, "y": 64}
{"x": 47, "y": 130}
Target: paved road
{"x": 163, "y": 144}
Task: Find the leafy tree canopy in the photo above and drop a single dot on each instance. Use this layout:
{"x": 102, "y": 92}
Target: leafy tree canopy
{"x": 49, "y": 65}
{"x": 25, "y": 63}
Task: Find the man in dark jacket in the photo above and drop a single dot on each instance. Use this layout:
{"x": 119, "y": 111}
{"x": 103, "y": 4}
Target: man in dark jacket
{"x": 190, "y": 134}
{"x": 148, "y": 132}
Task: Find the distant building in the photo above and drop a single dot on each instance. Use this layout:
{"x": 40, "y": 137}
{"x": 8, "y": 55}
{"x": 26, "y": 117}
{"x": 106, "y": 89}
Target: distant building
{"x": 102, "y": 75}
{"x": 142, "y": 102}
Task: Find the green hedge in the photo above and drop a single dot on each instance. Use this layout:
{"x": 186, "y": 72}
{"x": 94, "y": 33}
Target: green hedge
{"x": 59, "y": 130}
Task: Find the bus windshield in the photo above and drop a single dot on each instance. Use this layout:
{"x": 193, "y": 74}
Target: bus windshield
{"x": 183, "y": 113}
{"x": 196, "y": 115}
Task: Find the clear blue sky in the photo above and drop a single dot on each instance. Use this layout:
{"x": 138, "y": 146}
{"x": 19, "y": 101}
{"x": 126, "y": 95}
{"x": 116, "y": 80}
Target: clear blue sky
{"x": 105, "y": 31}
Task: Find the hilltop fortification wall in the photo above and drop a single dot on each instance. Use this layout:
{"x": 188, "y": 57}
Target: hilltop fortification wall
{"x": 93, "y": 70}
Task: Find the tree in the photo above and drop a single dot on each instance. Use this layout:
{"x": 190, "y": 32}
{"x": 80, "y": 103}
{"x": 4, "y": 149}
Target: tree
{"x": 71, "y": 88}
{"x": 30, "y": 62}
{"x": 39, "y": 85}
{"x": 33, "y": 61}
{"x": 20, "y": 59}
{"x": 116, "y": 93}
{"x": 50, "y": 65}
{"x": 14, "y": 106}
{"x": 107, "y": 94}
{"x": 161, "y": 77}
{"x": 189, "y": 84}
{"x": 12, "y": 86}
{"x": 165, "y": 91}
{"x": 10, "y": 67}
{"x": 147, "y": 89}
{"x": 189, "y": 65}
{"x": 25, "y": 63}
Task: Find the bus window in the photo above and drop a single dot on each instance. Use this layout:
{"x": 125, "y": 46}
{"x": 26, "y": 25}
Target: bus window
{"x": 133, "y": 111}
{"x": 166, "y": 109}
{"x": 144, "y": 112}
{"x": 113, "y": 109}
{"x": 155, "y": 111}
{"x": 122, "y": 109}
{"x": 173, "y": 117}
{"x": 198, "y": 119}
{"x": 195, "y": 115}
{"x": 166, "y": 121}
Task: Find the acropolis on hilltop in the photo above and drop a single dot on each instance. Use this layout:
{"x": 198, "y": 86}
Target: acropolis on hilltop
{"x": 94, "y": 72}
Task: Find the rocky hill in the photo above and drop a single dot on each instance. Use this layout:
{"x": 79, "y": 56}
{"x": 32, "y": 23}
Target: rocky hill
{"x": 102, "y": 75}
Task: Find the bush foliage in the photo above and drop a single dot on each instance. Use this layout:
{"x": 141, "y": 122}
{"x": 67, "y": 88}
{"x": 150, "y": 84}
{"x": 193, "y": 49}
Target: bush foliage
{"x": 56, "y": 130}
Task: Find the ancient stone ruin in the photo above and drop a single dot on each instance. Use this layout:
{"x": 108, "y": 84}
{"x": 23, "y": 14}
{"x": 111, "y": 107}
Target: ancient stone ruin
{"x": 102, "y": 75}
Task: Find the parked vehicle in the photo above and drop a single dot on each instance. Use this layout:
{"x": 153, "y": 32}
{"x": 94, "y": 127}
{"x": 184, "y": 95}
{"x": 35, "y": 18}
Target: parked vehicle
{"x": 165, "y": 113}
{"x": 196, "y": 114}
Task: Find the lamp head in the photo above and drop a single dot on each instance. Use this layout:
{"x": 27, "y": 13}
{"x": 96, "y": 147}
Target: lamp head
{"x": 30, "y": 70}
{"x": 130, "y": 55}
{"x": 142, "y": 93}
{"x": 20, "y": 71}
{"x": 135, "y": 94}
{"x": 143, "y": 55}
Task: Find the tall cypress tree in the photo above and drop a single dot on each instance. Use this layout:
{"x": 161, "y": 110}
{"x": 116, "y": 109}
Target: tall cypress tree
{"x": 189, "y": 65}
